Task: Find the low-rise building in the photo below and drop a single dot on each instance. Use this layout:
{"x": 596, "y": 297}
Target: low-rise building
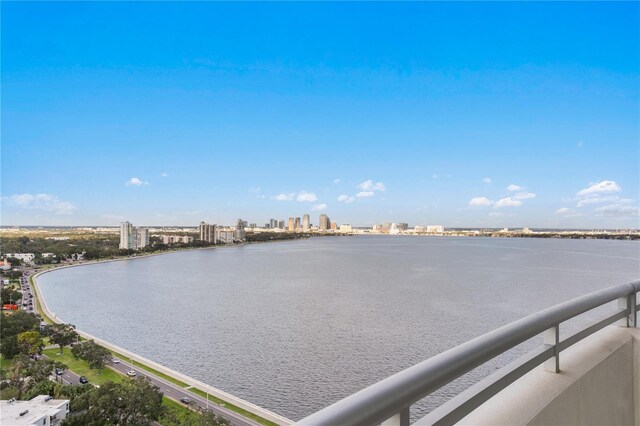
{"x": 174, "y": 239}
{"x": 225, "y": 236}
{"x": 25, "y": 257}
{"x": 345, "y": 229}
{"x": 42, "y": 410}
{"x": 435, "y": 229}
{"x": 5, "y": 265}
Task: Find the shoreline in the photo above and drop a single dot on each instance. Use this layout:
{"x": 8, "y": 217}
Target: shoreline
{"x": 151, "y": 365}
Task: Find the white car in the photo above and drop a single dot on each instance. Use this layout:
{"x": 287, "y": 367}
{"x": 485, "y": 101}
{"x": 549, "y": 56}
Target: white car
{"x": 131, "y": 373}
{"x": 115, "y": 361}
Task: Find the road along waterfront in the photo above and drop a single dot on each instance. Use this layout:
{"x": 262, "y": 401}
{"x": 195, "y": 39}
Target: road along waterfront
{"x": 170, "y": 389}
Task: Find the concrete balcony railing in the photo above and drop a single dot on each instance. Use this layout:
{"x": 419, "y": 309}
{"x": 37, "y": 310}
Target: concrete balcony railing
{"x": 597, "y": 382}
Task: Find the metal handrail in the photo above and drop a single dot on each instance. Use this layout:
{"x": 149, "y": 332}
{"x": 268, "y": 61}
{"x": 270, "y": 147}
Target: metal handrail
{"x": 391, "y": 398}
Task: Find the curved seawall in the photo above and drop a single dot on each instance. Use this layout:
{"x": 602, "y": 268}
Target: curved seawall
{"x": 245, "y": 405}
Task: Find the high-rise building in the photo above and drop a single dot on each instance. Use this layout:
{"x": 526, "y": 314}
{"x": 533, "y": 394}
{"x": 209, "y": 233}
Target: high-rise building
{"x": 126, "y": 236}
{"x": 273, "y": 223}
{"x": 306, "y": 223}
{"x": 292, "y": 225}
{"x": 281, "y": 224}
{"x": 324, "y": 223}
{"x": 133, "y": 238}
{"x": 296, "y": 224}
{"x": 239, "y": 234}
{"x": 141, "y": 238}
{"x": 208, "y": 233}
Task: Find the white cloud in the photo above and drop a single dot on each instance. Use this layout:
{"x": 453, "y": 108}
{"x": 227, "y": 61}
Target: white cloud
{"x": 164, "y": 174}
{"x": 319, "y": 207}
{"x": 604, "y": 187}
{"x": 618, "y": 210}
{"x": 480, "y": 202}
{"x": 364, "y": 194}
{"x": 567, "y": 212}
{"x": 284, "y": 197}
{"x": 346, "y": 198}
{"x": 524, "y": 196}
{"x": 513, "y": 188}
{"x": 507, "y": 202}
{"x": 495, "y": 214}
{"x": 368, "y": 185}
{"x": 304, "y": 196}
{"x": 595, "y": 200}
{"x": 134, "y": 181}
{"x": 336, "y": 181}
{"x": 46, "y": 202}
{"x": 487, "y": 180}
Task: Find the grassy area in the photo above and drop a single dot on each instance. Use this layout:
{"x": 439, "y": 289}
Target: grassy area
{"x": 80, "y": 367}
{"x": 8, "y": 393}
{"x": 232, "y": 407}
{"x": 38, "y": 307}
{"x": 177, "y": 411}
{"x": 5, "y": 363}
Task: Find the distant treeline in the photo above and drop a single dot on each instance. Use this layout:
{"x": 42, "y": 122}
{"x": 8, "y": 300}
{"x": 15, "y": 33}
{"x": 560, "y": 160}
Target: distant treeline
{"x": 576, "y": 236}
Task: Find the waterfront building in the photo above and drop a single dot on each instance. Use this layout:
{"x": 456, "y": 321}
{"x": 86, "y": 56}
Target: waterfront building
{"x": 42, "y": 410}
{"x": 273, "y": 223}
{"x": 432, "y": 229}
{"x": 325, "y": 223}
{"x": 281, "y": 224}
{"x": 126, "y": 236}
{"x": 345, "y": 229}
{"x": 208, "y": 233}
{"x": 141, "y": 238}
{"x": 291, "y": 226}
{"x": 397, "y": 228}
{"x": 296, "y": 224}
{"x": 225, "y": 236}
{"x": 306, "y": 223}
{"x": 239, "y": 234}
{"x": 174, "y": 239}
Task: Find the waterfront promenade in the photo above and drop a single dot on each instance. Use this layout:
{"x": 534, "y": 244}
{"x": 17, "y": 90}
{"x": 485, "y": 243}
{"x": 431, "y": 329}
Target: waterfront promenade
{"x": 173, "y": 384}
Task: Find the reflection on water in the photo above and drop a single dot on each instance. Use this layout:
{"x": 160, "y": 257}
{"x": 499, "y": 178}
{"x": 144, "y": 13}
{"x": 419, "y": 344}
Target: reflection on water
{"x": 295, "y": 326}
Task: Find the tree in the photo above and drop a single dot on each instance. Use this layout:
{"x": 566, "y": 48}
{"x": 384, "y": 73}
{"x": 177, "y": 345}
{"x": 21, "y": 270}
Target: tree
{"x": 14, "y": 261}
{"x": 61, "y": 334}
{"x": 30, "y": 343}
{"x": 10, "y": 295}
{"x": 96, "y": 355}
{"x": 133, "y": 402}
{"x": 11, "y": 326}
{"x": 25, "y": 372}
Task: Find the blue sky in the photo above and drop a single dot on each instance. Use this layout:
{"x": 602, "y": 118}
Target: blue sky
{"x": 461, "y": 114}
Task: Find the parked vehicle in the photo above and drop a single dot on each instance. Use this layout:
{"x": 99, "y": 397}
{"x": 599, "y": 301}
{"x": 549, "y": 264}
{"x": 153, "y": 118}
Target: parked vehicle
{"x": 83, "y": 380}
{"x": 185, "y": 400}
{"x": 131, "y": 373}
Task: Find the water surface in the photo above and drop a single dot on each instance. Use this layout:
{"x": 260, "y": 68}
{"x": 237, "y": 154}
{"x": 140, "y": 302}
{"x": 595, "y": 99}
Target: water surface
{"x": 294, "y": 326}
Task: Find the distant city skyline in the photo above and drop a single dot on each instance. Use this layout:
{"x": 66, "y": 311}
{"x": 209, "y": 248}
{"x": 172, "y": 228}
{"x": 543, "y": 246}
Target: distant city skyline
{"x": 173, "y": 114}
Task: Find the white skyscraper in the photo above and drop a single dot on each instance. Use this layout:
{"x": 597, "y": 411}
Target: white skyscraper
{"x": 208, "y": 233}
{"x": 126, "y": 236}
{"x": 141, "y": 238}
{"x": 306, "y": 223}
